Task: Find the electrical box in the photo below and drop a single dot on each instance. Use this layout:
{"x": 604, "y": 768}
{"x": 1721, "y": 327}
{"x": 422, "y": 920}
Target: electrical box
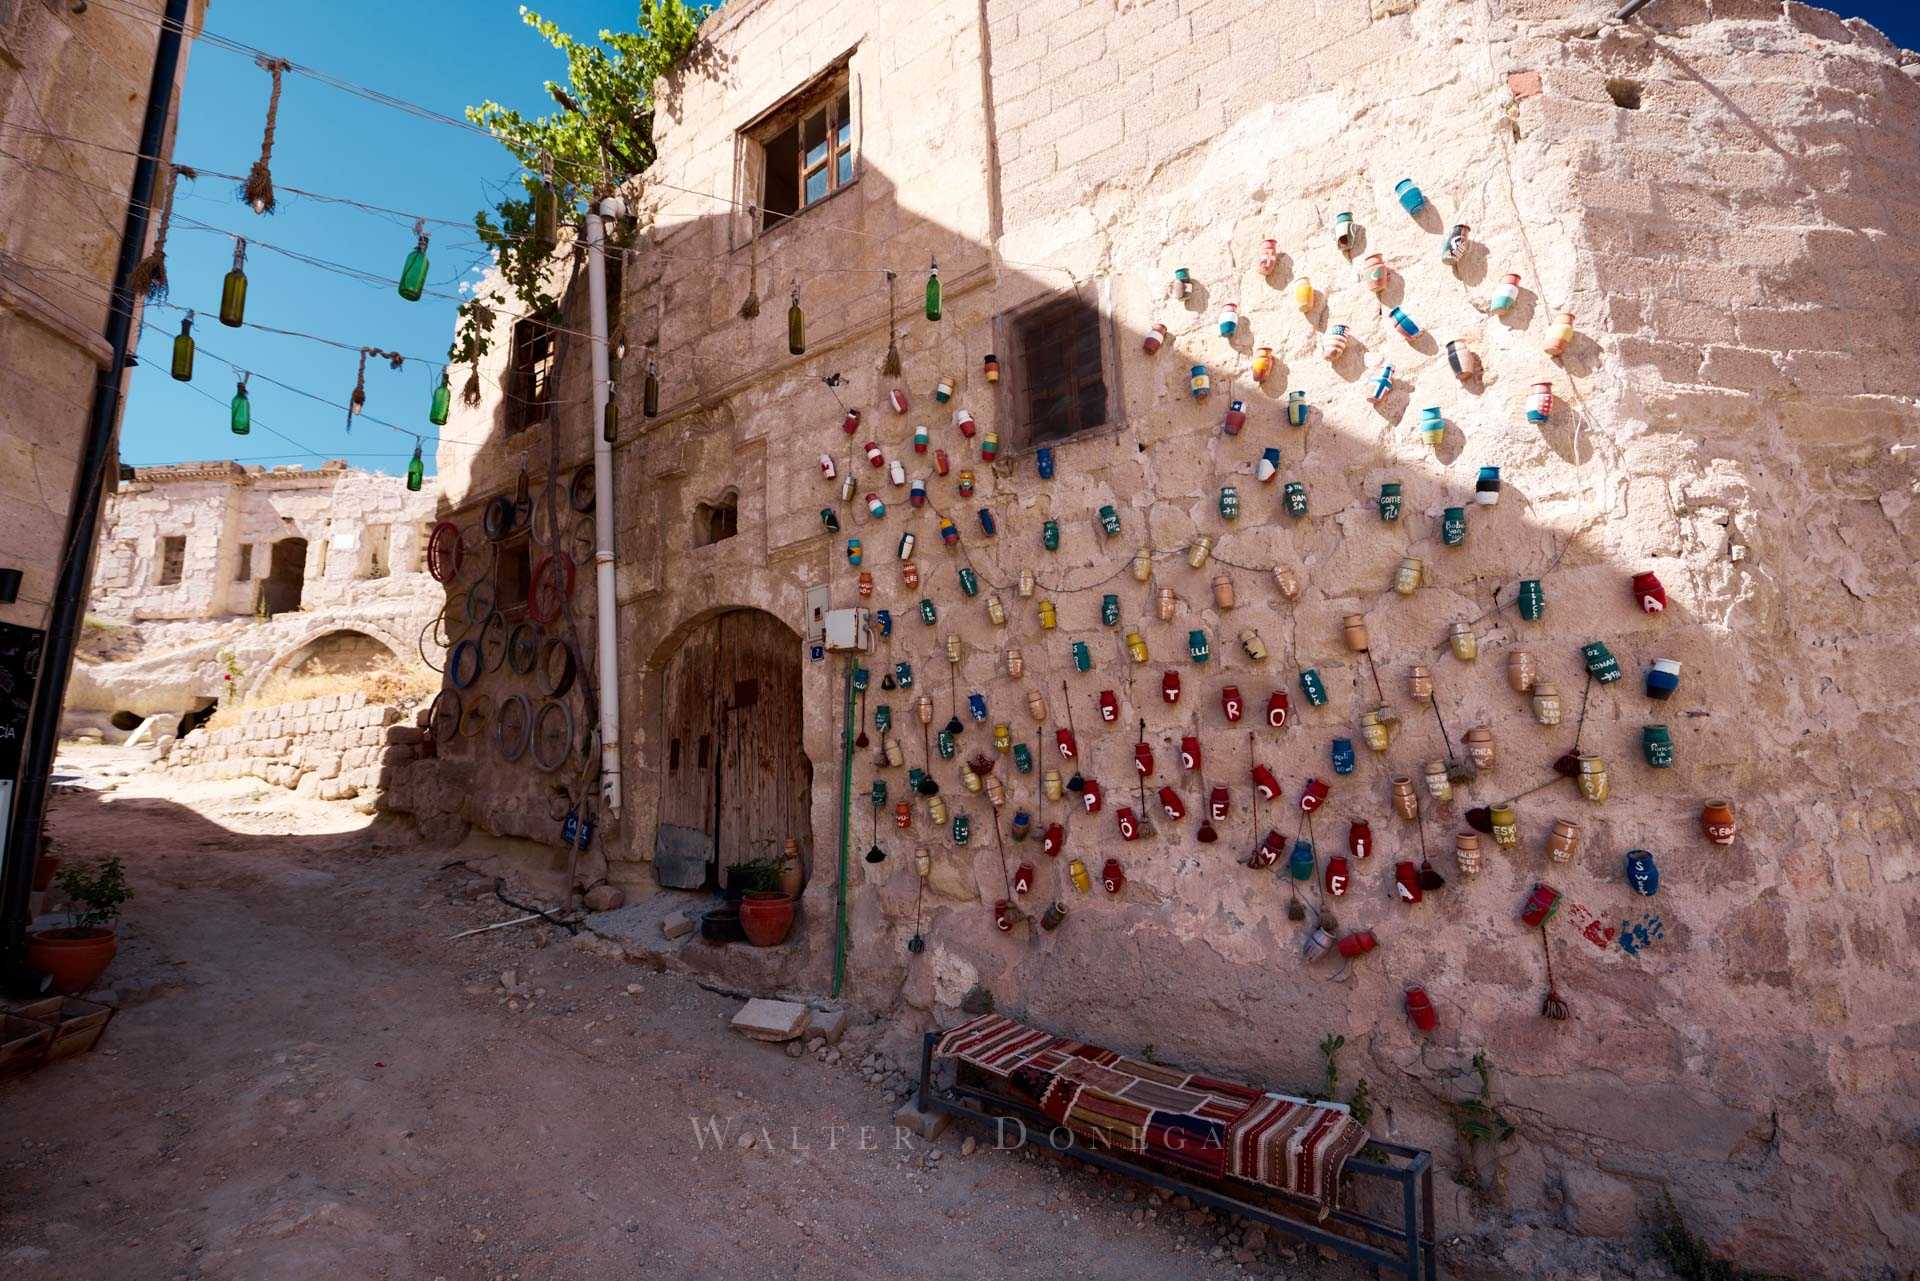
{"x": 849, "y": 630}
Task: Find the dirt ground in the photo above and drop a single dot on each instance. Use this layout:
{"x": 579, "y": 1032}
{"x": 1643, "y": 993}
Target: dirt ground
{"x": 308, "y": 1079}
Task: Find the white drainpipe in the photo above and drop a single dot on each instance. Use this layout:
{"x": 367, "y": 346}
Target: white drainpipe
{"x": 608, "y": 664}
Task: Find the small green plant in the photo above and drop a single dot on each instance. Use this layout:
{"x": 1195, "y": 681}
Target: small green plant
{"x": 97, "y": 892}
{"x": 1477, "y": 1121}
{"x": 757, "y": 875}
{"x": 1330, "y": 1047}
{"x": 1361, "y": 1104}
{"x": 1691, "y": 1258}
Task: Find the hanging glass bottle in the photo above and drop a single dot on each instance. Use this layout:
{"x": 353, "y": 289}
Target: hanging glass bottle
{"x": 240, "y": 417}
{"x": 233, "y": 292}
{"x": 546, "y": 217}
{"x": 650, "y": 397}
{"x": 442, "y": 402}
{"x": 796, "y": 325}
{"x": 413, "y": 276}
{"x": 933, "y": 289}
{"x": 183, "y": 351}
{"x": 416, "y": 470}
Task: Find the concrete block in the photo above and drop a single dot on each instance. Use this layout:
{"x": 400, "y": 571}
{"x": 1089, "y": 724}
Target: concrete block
{"x": 831, "y": 1024}
{"x": 927, "y": 1124}
{"x": 771, "y": 1020}
{"x": 677, "y": 925}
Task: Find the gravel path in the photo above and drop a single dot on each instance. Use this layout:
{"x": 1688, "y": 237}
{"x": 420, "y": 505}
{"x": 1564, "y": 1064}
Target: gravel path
{"x": 308, "y": 1080}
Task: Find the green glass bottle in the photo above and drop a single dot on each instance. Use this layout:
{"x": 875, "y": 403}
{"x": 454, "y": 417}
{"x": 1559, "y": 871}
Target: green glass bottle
{"x": 183, "y": 351}
{"x": 610, "y": 422}
{"x": 546, "y": 218}
{"x": 413, "y": 276}
{"x": 241, "y": 415}
{"x": 796, "y": 326}
{"x": 442, "y": 402}
{"x": 416, "y": 470}
{"x": 650, "y": 399}
{"x": 933, "y": 290}
{"x": 233, "y": 292}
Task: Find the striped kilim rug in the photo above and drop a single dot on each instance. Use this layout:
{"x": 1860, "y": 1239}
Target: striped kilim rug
{"x": 1217, "y": 1128}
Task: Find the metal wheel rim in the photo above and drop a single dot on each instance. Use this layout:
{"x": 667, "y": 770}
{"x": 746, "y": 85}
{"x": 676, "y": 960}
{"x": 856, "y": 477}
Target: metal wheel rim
{"x": 446, "y": 705}
{"x": 580, "y": 490}
{"x": 513, "y": 727}
{"x": 492, "y": 642}
{"x": 558, "y": 686}
{"x": 479, "y": 714}
{"x": 479, "y": 601}
{"x": 472, "y": 650}
{"x": 523, "y": 648}
{"x": 551, "y": 708}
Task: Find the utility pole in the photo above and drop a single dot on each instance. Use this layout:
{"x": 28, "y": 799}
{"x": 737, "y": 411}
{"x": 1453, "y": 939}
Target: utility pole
{"x": 22, "y": 846}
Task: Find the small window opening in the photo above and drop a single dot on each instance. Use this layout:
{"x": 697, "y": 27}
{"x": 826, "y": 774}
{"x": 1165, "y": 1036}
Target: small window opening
{"x": 1059, "y": 383}
{"x": 529, "y": 391}
{"x": 1625, "y": 93}
{"x": 243, "y": 568}
{"x": 375, "y": 543}
{"x": 673, "y": 756}
{"x": 703, "y": 751}
{"x": 173, "y": 560}
{"x": 718, "y": 520}
{"x": 513, "y": 576}
{"x": 806, "y": 149}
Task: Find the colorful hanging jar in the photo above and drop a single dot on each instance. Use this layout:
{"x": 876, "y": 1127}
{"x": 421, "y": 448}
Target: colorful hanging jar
{"x": 987, "y": 525}
{"x": 1287, "y": 582}
{"x": 1235, "y": 418}
{"x": 1342, "y": 756}
{"x": 1109, "y": 610}
{"x": 965, "y": 484}
{"x": 909, "y": 575}
{"x": 865, "y": 583}
{"x": 1420, "y": 681}
{"x": 1390, "y": 501}
{"x": 1343, "y": 233}
{"x": 1411, "y": 198}
{"x": 1376, "y": 729}
{"x": 1049, "y": 617}
{"x": 897, "y": 401}
{"x": 1353, "y": 628}
{"x": 1142, "y": 564}
{"x": 1036, "y": 706}
{"x": 1480, "y": 746}
{"x": 1648, "y": 593}
{"x": 1642, "y": 873}
{"x": 1170, "y": 687}
{"x": 1592, "y": 777}
{"x": 1026, "y": 584}
{"x": 1182, "y": 284}
{"x": 1520, "y": 670}
{"x": 1050, "y": 535}
{"x": 1406, "y": 803}
{"x": 1077, "y": 872}
{"x": 1532, "y": 599}
{"x": 1294, "y": 494}
{"x": 1043, "y": 461}
{"x": 1023, "y": 758}
{"x": 1263, "y": 364}
{"x": 949, "y": 532}
{"x": 969, "y": 581}
{"x": 1432, "y": 426}
{"x": 1109, "y": 705}
{"x": 1466, "y": 853}
{"x": 1335, "y": 344}
{"x": 1381, "y": 386}
{"x": 1463, "y": 360}
{"x": 1269, "y": 256}
{"x": 1505, "y": 294}
{"x": 997, "y": 615}
{"x": 1717, "y": 822}
{"x": 1296, "y": 408}
{"x": 1464, "y": 644}
{"x": 1662, "y": 679}
{"x": 1373, "y": 272}
{"x": 1313, "y": 687}
{"x": 1199, "y": 550}
{"x": 1229, "y": 503}
{"x": 1154, "y": 338}
{"x": 1403, "y": 322}
{"x": 963, "y": 423}
{"x": 1454, "y": 247}
{"x": 1112, "y": 878}
{"x": 928, "y": 614}
{"x": 1231, "y": 707}
{"x": 1109, "y": 520}
{"x": 1277, "y": 709}
{"x": 1559, "y": 334}
{"x": 876, "y": 510}
{"x": 1656, "y": 744}
{"x": 853, "y": 551}
{"x": 1546, "y": 703}
{"x": 990, "y": 367}
{"x": 1407, "y": 575}
{"x": 1564, "y": 841}
{"x": 1199, "y": 383}
{"x": 1303, "y": 294}
{"x": 1136, "y": 647}
{"x": 1439, "y": 783}
{"x": 1453, "y": 526}
{"x": 1540, "y": 403}
{"x": 1269, "y": 465}
{"x": 1229, "y": 319}
{"x": 1223, "y": 591}
{"x": 1486, "y": 487}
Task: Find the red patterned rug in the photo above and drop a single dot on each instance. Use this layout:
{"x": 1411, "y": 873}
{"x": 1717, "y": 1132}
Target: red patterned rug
{"x": 1217, "y": 1128}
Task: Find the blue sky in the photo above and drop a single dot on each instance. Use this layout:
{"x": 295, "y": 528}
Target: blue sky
{"x": 444, "y": 54}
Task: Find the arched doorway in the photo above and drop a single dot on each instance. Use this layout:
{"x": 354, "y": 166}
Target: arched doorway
{"x": 737, "y": 781}
{"x": 280, "y": 594}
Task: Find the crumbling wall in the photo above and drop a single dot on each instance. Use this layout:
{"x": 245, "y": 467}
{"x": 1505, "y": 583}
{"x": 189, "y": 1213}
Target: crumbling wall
{"x": 338, "y": 747}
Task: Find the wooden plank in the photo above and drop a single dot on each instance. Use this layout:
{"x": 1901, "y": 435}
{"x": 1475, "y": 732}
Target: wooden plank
{"x": 691, "y": 744}
{"x": 765, "y": 779}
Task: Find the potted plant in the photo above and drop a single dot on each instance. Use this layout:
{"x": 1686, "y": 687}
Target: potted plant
{"x": 77, "y": 955}
{"x": 766, "y": 911}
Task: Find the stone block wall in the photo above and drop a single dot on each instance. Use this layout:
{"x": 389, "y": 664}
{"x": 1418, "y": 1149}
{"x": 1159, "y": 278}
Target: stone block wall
{"x": 337, "y": 747}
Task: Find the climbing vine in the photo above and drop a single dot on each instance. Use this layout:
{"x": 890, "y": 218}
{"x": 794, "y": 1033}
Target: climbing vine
{"x": 602, "y": 133}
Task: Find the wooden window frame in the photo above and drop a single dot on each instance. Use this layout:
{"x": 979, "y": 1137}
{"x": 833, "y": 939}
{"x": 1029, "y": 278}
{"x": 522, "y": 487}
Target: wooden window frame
{"x": 529, "y": 389}
{"x": 821, "y": 92}
{"x": 1010, "y": 397}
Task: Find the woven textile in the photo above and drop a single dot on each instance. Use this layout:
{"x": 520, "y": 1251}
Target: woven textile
{"x": 1217, "y": 1128}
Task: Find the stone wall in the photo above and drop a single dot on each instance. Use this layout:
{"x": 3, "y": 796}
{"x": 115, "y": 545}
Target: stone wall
{"x": 337, "y": 747}
{"x": 1721, "y": 194}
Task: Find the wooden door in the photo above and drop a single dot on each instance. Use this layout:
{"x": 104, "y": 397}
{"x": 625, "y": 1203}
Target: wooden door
{"x": 738, "y": 781}
{"x": 683, "y": 853}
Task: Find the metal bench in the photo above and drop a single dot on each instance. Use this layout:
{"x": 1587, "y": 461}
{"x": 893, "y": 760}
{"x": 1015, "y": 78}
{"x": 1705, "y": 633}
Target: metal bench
{"x": 1401, "y": 1246}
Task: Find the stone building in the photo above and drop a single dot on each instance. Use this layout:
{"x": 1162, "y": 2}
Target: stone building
{"x": 211, "y": 568}
{"x": 1720, "y": 192}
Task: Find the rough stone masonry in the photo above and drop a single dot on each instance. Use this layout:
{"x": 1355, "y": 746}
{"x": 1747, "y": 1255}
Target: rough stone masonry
{"x": 1722, "y": 194}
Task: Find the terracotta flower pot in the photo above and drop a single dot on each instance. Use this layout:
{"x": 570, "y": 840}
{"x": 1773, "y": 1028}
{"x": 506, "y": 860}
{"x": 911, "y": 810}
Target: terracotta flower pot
{"x": 74, "y": 958}
{"x": 766, "y": 916}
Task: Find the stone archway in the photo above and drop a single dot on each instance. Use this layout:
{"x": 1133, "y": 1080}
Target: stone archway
{"x": 737, "y": 782}
{"x": 355, "y": 639}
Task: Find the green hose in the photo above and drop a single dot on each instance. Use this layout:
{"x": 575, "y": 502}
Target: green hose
{"x": 846, "y": 811}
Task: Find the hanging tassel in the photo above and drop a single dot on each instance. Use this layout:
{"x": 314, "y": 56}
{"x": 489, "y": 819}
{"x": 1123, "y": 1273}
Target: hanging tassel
{"x": 751, "y": 307}
{"x": 1553, "y": 1007}
{"x": 891, "y": 365}
{"x": 258, "y": 189}
{"x": 358, "y": 401}
{"x": 150, "y": 273}
{"x": 470, "y": 390}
